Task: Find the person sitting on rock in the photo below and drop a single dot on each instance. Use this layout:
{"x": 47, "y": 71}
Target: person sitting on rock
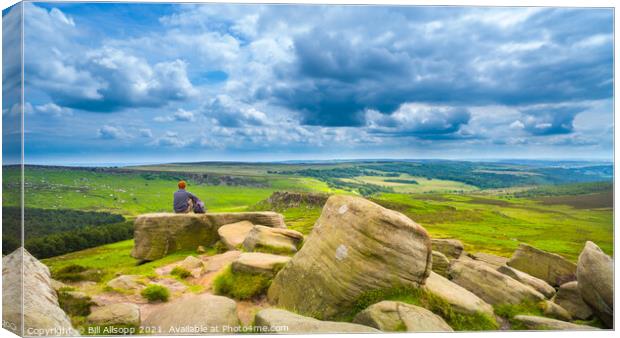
{"x": 185, "y": 201}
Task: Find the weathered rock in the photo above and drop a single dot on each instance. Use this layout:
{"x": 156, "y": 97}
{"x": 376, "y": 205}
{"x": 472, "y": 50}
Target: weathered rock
{"x": 490, "y": 285}
{"x": 440, "y": 263}
{"x": 569, "y": 297}
{"x": 201, "y": 249}
{"x": 493, "y": 260}
{"x": 544, "y": 323}
{"x": 595, "y": 276}
{"x": 553, "y": 310}
{"x": 128, "y": 283}
{"x": 206, "y": 312}
{"x": 356, "y": 246}
{"x": 158, "y": 234}
{"x": 233, "y": 235}
{"x": 42, "y": 316}
{"x": 191, "y": 263}
{"x": 538, "y": 284}
{"x": 398, "y": 316}
{"x": 273, "y": 240}
{"x": 460, "y": 299}
{"x": 259, "y": 263}
{"x": 294, "y": 323}
{"x": 452, "y": 248}
{"x": 552, "y": 268}
{"x": 118, "y": 314}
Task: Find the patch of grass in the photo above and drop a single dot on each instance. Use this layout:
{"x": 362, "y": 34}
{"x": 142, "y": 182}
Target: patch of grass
{"x": 74, "y": 306}
{"x": 594, "y": 322}
{"x": 154, "y": 293}
{"x": 240, "y": 285}
{"x": 420, "y": 297}
{"x": 180, "y": 272}
{"x": 75, "y": 273}
{"x": 509, "y": 311}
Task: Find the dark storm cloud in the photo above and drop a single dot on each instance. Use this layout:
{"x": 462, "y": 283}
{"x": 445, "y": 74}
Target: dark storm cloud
{"x": 550, "y": 120}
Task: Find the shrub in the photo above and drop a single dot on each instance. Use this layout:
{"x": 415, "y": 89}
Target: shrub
{"x": 180, "y": 272}
{"x": 74, "y": 306}
{"x": 155, "y": 292}
{"x": 75, "y": 273}
{"x": 437, "y": 305}
{"x": 240, "y": 285}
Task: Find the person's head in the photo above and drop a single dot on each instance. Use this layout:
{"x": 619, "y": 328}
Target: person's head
{"x": 182, "y": 184}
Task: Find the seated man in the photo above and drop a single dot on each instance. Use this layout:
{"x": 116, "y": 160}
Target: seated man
{"x": 185, "y": 201}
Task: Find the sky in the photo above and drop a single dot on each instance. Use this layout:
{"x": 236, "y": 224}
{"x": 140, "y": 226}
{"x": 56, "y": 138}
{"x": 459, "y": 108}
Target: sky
{"x": 153, "y": 83}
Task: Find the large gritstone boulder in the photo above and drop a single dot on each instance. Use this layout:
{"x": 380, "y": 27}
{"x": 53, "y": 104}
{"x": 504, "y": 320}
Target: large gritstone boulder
{"x": 569, "y": 297}
{"x": 452, "y": 248}
{"x": 543, "y": 323}
{"x": 115, "y": 315}
{"x": 273, "y": 240}
{"x": 552, "y": 268}
{"x": 42, "y": 316}
{"x": 356, "y": 246}
{"x": 233, "y": 235}
{"x": 157, "y": 235}
{"x": 194, "y": 314}
{"x": 595, "y": 276}
{"x": 493, "y": 260}
{"x": 489, "y": 284}
{"x": 460, "y": 299}
{"x": 281, "y": 321}
{"x": 538, "y": 284}
{"x": 397, "y": 316}
{"x": 258, "y": 263}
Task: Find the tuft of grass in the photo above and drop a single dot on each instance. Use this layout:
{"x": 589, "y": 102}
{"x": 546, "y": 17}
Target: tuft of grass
{"x": 180, "y": 272}
{"x": 155, "y": 292}
{"x": 420, "y": 297}
{"x": 74, "y": 306}
{"x": 75, "y": 273}
{"x": 509, "y": 311}
{"x": 240, "y": 285}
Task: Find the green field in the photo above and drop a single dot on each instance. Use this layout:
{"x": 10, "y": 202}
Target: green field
{"x": 401, "y": 184}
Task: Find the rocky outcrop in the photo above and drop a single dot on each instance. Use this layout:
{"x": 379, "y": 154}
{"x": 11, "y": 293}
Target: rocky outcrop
{"x": 158, "y": 234}
{"x": 116, "y": 315}
{"x": 273, "y": 240}
{"x": 552, "y": 268}
{"x": 553, "y": 310}
{"x": 595, "y": 276}
{"x": 288, "y": 199}
{"x": 460, "y": 299}
{"x": 440, "y": 263}
{"x": 543, "y": 323}
{"x": 233, "y": 235}
{"x": 569, "y": 297}
{"x": 42, "y": 316}
{"x": 397, "y": 316}
{"x": 489, "y": 284}
{"x": 259, "y": 263}
{"x": 452, "y": 248}
{"x": 356, "y": 246}
{"x": 194, "y": 314}
{"x": 538, "y": 284}
{"x": 282, "y": 321}
{"x": 493, "y": 260}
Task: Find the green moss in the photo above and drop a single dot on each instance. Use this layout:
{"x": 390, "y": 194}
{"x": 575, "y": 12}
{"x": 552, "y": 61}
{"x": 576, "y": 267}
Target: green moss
{"x": 595, "y": 322}
{"x": 240, "y": 285}
{"x": 420, "y": 297}
{"x": 180, "y": 272}
{"x": 155, "y": 292}
{"x": 74, "y": 306}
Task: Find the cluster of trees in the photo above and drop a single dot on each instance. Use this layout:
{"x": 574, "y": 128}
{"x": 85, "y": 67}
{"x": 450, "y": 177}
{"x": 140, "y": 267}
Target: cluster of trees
{"x": 50, "y": 233}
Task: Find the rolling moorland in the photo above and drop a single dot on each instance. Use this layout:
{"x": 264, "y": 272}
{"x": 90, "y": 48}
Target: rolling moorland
{"x": 79, "y": 221}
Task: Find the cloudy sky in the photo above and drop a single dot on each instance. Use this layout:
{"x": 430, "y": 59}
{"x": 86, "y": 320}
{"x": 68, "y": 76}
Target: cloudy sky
{"x": 158, "y": 83}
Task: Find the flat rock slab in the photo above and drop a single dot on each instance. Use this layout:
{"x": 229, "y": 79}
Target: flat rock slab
{"x": 537, "y": 283}
{"x": 282, "y": 321}
{"x": 259, "y": 263}
{"x": 459, "y": 298}
{"x": 490, "y": 285}
{"x": 40, "y": 303}
{"x": 389, "y": 316}
{"x": 595, "y": 276}
{"x": 194, "y": 314}
{"x": 158, "y": 234}
{"x": 569, "y": 297}
{"x": 356, "y": 246}
{"x": 232, "y": 235}
{"x": 119, "y": 314}
{"x": 543, "y": 323}
{"x": 273, "y": 240}
{"x": 493, "y": 260}
{"x": 452, "y": 248}
{"x": 552, "y": 268}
